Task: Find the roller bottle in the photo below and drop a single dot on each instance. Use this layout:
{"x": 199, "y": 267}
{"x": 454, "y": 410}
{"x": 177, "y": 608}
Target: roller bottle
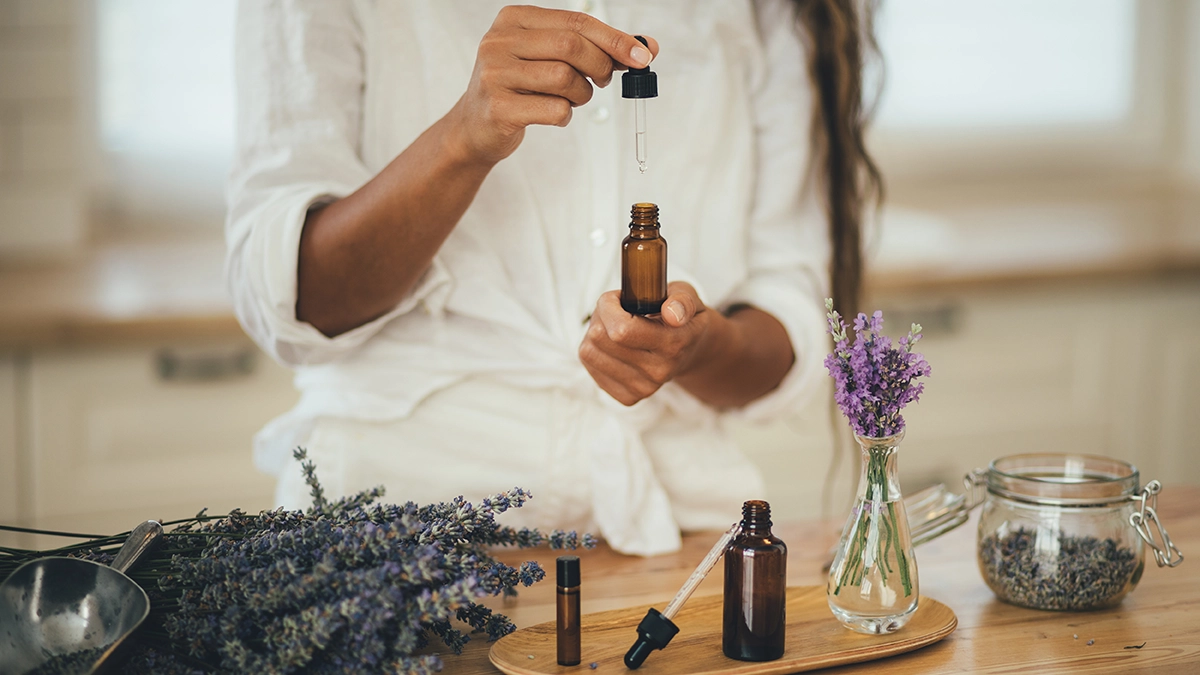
{"x": 568, "y": 610}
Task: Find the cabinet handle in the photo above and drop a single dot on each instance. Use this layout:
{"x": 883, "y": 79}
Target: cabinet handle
{"x": 205, "y": 367}
{"x": 936, "y": 321}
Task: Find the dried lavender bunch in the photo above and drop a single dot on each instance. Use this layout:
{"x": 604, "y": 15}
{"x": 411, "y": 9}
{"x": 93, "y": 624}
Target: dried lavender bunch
{"x": 874, "y": 380}
{"x": 348, "y": 586}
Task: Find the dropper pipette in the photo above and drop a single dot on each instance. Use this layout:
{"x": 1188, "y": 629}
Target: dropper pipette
{"x": 701, "y": 571}
{"x": 657, "y": 629}
{"x": 639, "y": 84}
{"x": 639, "y": 114}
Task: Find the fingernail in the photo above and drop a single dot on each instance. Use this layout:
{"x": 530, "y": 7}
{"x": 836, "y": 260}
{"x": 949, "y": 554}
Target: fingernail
{"x": 640, "y": 55}
{"x": 676, "y": 311}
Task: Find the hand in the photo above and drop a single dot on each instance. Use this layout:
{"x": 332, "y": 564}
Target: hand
{"x": 630, "y": 357}
{"x": 533, "y": 67}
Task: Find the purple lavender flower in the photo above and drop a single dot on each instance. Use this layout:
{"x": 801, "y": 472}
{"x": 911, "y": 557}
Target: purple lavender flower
{"x": 873, "y": 379}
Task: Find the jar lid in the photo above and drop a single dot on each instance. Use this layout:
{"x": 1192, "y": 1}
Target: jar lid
{"x": 1062, "y": 479}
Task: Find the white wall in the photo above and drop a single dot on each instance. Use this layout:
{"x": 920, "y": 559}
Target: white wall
{"x": 41, "y": 200}
{"x": 1189, "y": 163}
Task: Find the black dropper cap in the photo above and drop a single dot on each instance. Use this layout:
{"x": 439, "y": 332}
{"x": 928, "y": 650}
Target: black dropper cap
{"x": 654, "y": 632}
{"x": 639, "y": 82}
{"x": 568, "y": 571}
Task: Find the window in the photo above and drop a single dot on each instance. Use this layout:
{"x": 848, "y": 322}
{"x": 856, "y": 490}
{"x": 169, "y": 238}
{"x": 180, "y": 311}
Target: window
{"x": 989, "y": 64}
{"x": 1022, "y": 85}
{"x": 981, "y": 85}
{"x": 165, "y": 107}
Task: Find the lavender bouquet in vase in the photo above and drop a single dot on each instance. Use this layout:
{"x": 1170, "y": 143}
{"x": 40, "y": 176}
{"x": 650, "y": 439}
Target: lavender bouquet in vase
{"x": 873, "y": 580}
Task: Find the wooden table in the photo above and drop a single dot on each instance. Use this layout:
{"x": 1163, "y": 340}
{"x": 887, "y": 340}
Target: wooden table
{"x": 992, "y": 637}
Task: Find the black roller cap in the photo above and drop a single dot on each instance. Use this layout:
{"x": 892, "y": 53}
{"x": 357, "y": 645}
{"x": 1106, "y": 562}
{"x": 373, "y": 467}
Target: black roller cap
{"x": 568, "y": 570}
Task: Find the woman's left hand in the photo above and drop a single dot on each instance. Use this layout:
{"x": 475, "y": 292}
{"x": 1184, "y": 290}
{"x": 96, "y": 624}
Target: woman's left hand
{"x": 630, "y": 356}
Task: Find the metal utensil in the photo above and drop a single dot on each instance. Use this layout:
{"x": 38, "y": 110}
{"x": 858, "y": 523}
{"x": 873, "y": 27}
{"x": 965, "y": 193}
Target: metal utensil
{"x": 61, "y": 607}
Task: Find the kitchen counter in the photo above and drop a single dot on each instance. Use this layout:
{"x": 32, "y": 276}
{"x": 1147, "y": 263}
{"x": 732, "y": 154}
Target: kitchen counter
{"x": 166, "y": 288}
{"x": 172, "y": 287}
{"x": 992, "y": 637}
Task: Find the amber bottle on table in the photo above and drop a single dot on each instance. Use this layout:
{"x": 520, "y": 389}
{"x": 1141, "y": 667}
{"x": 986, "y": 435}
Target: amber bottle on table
{"x": 755, "y": 589}
{"x": 568, "y": 610}
{"x": 643, "y": 263}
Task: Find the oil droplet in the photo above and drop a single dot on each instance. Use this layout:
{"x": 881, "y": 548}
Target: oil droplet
{"x": 642, "y": 167}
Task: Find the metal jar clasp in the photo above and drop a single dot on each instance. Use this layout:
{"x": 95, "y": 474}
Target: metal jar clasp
{"x": 1166, "y": 554}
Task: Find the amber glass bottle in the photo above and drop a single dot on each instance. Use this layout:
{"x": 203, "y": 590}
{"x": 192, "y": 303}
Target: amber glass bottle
{"x": 643, "y": 263}
{"x": 755, "y": 589}
{"x": 568, "y": 610}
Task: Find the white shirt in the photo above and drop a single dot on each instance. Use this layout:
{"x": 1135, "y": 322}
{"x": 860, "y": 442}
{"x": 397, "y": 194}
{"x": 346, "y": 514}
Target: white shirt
{"x": 330, "y": 92}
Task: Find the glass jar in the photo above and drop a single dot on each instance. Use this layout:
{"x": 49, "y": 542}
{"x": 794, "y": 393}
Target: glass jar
{"x": 1065, "y": 531}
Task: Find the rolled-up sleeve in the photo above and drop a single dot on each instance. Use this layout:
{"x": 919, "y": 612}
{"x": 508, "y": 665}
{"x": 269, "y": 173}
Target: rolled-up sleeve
{"x": 787, "y": 239}
{"x": 300, "y": 85}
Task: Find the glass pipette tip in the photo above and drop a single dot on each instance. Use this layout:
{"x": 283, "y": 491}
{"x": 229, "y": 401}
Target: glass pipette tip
{"x": 701, "y": 571}
{"x": 639, "y": 107}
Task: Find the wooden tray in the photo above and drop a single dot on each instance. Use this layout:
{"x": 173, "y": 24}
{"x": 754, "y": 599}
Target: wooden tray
{"x": 814, "y": 640}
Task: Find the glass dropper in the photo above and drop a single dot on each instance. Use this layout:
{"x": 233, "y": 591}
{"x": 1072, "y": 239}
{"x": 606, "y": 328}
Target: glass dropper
{"x": 639, "y": 108}
{"x": 656, "y": 629}
{"x": 701, "y": 571}
{"x": 639, "y": 84}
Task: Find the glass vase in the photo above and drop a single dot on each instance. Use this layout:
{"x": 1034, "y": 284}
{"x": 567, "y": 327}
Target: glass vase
{"x": 873, "y": 581}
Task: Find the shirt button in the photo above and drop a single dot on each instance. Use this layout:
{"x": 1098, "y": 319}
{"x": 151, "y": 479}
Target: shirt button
{"x": 599, "y": 237}
{"x": 601, "y": 115}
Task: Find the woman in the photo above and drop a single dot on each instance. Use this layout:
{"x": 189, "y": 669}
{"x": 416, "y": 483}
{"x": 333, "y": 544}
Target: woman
{"x": 425, "y": 217}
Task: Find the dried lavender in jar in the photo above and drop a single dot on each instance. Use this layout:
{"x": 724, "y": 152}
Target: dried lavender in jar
{"x": 1085, "y": 572}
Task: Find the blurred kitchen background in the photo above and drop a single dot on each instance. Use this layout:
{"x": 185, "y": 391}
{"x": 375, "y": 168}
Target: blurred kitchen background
{"x": 1042, "y": 223}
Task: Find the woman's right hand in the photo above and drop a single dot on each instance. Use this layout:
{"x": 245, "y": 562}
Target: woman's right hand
{"x": 533, "y": 67}
{"x": 360, "y": 255}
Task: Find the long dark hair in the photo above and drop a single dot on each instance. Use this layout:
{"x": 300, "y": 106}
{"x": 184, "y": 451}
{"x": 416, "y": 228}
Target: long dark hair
{"x": 839, "y": 36}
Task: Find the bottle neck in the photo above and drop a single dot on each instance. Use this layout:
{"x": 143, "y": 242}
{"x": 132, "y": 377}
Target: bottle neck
{"x": 756, "y": 518}
{"x": 643, "y": 231}
{"x": 879, "y": 480}
{"x": 643, "y": 221}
